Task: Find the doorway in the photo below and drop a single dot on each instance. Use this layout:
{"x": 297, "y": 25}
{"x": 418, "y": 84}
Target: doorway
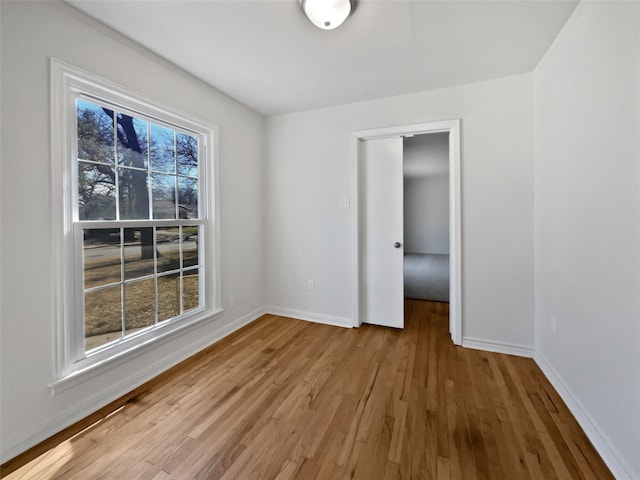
{"x": 426, "y": 216}
{"x": 364, "y": 235}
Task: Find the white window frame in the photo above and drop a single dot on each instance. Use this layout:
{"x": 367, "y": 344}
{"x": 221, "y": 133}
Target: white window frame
{"x": 72, "y": 364}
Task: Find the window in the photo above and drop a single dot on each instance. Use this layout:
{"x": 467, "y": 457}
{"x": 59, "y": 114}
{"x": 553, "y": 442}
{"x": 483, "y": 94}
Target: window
{"x": 138, "y": 250}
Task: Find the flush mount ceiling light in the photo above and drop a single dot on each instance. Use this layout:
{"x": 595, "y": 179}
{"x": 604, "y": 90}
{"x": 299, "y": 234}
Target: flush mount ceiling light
{"x": 326, "y": 14}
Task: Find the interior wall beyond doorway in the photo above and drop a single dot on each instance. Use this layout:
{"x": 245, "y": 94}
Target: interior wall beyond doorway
{"x": 426, "y": 193}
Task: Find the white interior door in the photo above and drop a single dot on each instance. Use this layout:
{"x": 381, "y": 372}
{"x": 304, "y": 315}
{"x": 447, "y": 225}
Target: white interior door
{"x": 383, "y": 233}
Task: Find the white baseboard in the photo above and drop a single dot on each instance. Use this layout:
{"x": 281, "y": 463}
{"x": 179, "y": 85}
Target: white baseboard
{"x": 611, "y": 456}
{"x": 497, "y": 347}
{"x": 95, "y": 402}
{"x": 310, "y": 316}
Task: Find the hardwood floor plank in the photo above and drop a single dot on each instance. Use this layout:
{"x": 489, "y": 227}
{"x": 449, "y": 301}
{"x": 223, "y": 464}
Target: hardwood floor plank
{"x": 442, "y": 472}
{"x": 399, "y": 427}
{"x": 285, "y": 399}
{"x": 287, "y": 472}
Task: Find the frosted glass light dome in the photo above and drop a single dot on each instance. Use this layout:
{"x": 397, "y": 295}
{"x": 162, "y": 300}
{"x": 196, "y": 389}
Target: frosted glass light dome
{"x": 326, "y": 14}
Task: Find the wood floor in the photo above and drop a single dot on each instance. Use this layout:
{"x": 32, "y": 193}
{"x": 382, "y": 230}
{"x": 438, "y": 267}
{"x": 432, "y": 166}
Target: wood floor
{"x": 286, "y": 399}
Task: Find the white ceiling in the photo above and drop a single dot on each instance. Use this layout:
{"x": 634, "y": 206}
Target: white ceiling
{"x": 267, "y": 55}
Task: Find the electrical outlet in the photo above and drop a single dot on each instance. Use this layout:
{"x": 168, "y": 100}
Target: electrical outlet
{"x": 232, "y": 302}
{"x": 344, "y": 203}
{"x": 311, "y": 285}
{"x": 554, "y": 324}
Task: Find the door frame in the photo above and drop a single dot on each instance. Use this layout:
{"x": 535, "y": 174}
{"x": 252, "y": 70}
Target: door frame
{"x": 455, "y": 214}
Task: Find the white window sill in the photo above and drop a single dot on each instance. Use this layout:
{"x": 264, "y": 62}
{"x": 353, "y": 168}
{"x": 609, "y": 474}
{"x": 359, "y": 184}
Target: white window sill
{"x": 137, "y": 346}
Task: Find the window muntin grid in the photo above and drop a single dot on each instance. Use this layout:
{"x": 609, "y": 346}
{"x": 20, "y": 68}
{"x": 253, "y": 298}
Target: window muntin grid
{"x": 142, "y": 174}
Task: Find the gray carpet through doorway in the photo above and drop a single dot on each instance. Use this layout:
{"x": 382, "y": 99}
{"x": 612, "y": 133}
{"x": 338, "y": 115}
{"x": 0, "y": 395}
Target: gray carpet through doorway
{"x": 426, "y": 276}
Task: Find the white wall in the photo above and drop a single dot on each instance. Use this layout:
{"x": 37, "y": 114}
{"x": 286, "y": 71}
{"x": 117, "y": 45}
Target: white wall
{"x": 426, "y": 155}
{"x": 31, "y": 33}
{"x": 310, "y": 167}
{"x": 426, "y": 193}
{"x": 587, "y": 224}
{"x": 426, "y": 214}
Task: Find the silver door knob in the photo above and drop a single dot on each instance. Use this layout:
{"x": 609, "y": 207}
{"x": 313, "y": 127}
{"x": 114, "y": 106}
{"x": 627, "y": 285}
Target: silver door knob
{"x": 397, "y": 244}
